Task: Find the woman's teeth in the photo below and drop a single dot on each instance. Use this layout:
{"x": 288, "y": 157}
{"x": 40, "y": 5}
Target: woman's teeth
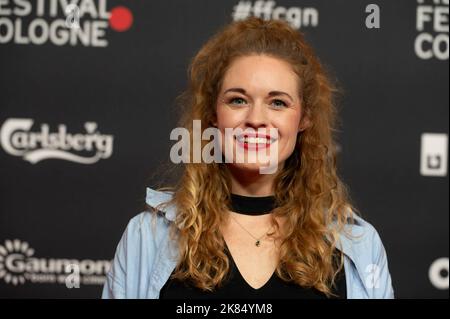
{"x": 254, "y": 140}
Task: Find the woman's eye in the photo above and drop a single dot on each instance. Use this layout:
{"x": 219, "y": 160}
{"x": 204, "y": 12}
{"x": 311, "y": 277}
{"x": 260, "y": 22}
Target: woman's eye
{"x": 237, "y": 99}
{"x": 279, "y": 103}
{"x": 241, "y": 101}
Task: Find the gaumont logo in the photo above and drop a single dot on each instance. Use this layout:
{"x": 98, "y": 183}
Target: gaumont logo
{"x": 61, "y": 22}
{"x": 18, "y": 265}
{"x": 17, "y": 139}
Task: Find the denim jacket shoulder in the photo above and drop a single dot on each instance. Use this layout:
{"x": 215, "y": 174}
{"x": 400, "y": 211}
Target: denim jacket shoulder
{"x": 145, "y": 257}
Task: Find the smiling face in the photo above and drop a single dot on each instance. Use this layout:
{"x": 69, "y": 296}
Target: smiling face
{"x": 260, "y": 93}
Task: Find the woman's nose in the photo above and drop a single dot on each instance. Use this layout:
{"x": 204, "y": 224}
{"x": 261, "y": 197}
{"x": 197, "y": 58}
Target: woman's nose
{"x": 257, "y": 115}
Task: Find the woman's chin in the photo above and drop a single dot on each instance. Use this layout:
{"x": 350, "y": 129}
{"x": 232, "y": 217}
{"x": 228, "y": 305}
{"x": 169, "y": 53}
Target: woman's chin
{"x": 258, "y": 167}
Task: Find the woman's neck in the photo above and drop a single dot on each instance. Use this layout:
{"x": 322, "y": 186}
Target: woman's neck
{"x": 251, "y": 183}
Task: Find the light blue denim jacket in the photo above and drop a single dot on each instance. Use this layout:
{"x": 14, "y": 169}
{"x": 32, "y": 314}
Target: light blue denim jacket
{"x": 144, "y": 259}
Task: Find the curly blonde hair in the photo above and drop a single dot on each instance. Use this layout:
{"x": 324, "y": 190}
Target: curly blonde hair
{"x": 308, "y": 191}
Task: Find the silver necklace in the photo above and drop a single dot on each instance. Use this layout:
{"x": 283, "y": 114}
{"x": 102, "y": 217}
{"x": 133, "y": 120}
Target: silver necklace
{"x": 258, "y": 239}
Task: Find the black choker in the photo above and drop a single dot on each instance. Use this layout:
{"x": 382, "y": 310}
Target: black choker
{"x": 248, "y": 205}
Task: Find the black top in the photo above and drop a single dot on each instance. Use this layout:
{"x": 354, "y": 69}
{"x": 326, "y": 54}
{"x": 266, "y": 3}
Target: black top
{"x": 235, "y": 285}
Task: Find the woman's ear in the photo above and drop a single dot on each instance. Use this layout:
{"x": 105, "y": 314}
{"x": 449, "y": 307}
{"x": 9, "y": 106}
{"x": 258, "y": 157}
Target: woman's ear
{"x": 304, "y": 124}
{"x": 214, "y": 120}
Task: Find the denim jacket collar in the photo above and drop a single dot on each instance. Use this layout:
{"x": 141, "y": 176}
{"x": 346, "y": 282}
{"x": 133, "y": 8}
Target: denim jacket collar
{"x": 155, "y": 198}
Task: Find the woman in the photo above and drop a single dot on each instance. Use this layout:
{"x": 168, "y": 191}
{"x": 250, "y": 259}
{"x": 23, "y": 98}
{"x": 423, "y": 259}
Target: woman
{"x": 227, "y": 229}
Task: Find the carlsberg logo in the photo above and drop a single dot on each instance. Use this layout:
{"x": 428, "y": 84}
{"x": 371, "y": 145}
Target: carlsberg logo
{"x": 17, "y": 139}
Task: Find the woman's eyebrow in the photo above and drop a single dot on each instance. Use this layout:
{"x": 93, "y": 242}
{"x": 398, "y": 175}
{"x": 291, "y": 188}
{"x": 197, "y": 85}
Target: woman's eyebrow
{"x": 238, "y": 90}
{"x": 271, "y": 93}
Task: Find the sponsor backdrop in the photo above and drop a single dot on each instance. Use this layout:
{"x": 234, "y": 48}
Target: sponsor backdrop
{"x": 87, "y": 97}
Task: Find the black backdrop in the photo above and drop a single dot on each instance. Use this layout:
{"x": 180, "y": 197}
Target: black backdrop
{"x": 112, "y": 93}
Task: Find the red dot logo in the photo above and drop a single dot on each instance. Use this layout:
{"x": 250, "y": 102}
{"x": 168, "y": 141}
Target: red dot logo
{"x": 120, "y": 19}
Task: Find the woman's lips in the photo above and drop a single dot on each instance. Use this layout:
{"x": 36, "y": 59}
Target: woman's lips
{"x": 254, "y": 142}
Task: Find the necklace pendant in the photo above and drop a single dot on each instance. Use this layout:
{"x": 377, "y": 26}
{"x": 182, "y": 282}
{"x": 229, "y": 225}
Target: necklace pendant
{"x": 257, "y": 243}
